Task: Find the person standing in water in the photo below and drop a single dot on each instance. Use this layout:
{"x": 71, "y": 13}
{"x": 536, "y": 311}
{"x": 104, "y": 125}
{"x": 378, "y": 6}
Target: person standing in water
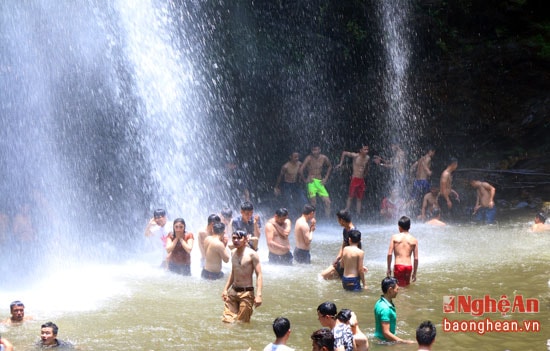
{"x": 360, "y": 169}
{"x": 403, "y": 246}
{"x": 314, "y": 165}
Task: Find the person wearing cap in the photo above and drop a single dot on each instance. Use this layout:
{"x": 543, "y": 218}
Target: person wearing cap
{"x": 238, "y": 293}
{"x": 157, "y": 231}
{"x": 216, "y": 251}
{"x": 540, "y": 223}
{"x": 17, "y": 311}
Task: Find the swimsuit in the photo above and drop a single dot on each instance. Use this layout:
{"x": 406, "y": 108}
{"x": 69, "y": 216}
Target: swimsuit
{"x": 238, "y": 305}
{"x": 316, "y": 187}
{"x": 211, "y": 275}
{"x": 302, "y": 256}
{"x": 420, "y": 188}
{"x": 285, "y": 259}
{"x": 402, "y": 273}
{"x": 357, "y": 188}
{"x": 351, "y": 283}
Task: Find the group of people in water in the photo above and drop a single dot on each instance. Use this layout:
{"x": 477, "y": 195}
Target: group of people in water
{"x": 48, "y": 330}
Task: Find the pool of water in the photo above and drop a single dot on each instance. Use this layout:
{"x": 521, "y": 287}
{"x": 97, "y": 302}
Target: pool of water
{"x": 134, "y": 305}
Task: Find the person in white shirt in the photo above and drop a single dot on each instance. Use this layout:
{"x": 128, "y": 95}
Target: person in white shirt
{"x": 281, "y": 328}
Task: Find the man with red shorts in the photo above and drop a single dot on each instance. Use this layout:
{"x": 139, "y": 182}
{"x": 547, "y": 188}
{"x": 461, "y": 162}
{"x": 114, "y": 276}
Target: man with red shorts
{"x": 360, "y": 169}
{"x": 403, "y": 245}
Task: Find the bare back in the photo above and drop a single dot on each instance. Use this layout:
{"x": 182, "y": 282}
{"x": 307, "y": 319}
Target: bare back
{"x": 403, "y": 245}
{"x": 215, "y": 253}
{"x": 352, "y": 261}
{"x": 301, "y": 234}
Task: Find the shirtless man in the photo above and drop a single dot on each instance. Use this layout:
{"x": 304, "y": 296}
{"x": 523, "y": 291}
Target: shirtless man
{"x": 403, "y": 245}
{"x": 396, "y": 164}
{"x": 288, "y": 183}
{"x": 277, "y": 230}
{"x": 359, "y": 338}
{"x": 422, "y": 172}
{"x": 335, "y": 270}
{"x": 238, "y": 293}
{"x": 540, "y": 223}
{"x": 446, "y": 191}
{"x": 303, "y": 234}
{"x": 352, "y": 262}
{"x": 430, "y": 203}
{"x": 484, "y": 209}
{"x": 17, "y": 310}
{"x": 203, "y": 234}
{"x": 314, "y": 164}
{"x": 360, "y": 169}
{"x": 215, "y": 252}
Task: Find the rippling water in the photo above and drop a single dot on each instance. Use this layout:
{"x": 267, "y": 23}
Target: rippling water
{"x": 136, "y": 306}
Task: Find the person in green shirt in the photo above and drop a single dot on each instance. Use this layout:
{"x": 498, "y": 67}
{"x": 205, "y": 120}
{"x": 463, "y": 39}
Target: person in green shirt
{"x": 385, "y": 315}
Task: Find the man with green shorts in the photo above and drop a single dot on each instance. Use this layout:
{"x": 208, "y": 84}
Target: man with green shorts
{"x": 314, "y": 165}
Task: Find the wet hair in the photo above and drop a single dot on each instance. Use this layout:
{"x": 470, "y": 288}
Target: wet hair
{"x": 436, "y": 212}
{"x": 159, "y": 212}
{"x": 247, "y": 206}
{"x": 239, "y": 233}
{"x": 281, "y": 326}
{"x": 214, "y": 218}
{"x": 430, "y": 148}
{"x": 344, "y": 315}
{"x": 344, "y": 215}
{"x": 541, "y": 217}
{"x": 281, "y": 212}
{"x": 218, "y": 228}
{"x": 354, "y": 236}
{"x": 404, "y": 223}
{"x": 425, "y": 333}
{"x": 327, "y": 309}
{"x": 52, "y": 325}
{"x": 178, "y": 220}
{"x": 16, "y": 303}
{"x": 388, "y": 283}
{"x": 308, "y": 209}
{"x": 323, "y": 338}
{"x": 227, "y": 212}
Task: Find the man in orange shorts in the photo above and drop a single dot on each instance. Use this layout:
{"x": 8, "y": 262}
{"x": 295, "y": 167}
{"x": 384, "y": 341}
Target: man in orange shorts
{"x": 403, "y": 245}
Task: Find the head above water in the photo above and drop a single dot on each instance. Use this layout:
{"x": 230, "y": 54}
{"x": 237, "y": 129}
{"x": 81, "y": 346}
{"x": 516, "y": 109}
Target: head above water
{"x": 308, "y": 209}
{"x": 214, "y": 218}
{"x": 218, "y": 228}
{"x": 540, "y": 217}
{"x": 159, "y": 213}
{"x": 344, "y": 215}
{"x": 387, "y": 283}
{"x": 344, "y": 315}
{"x": 404, "y": 223}
{"x": 176, "y": 221}
{"x": 281, "y": 326}
{"x": 322, "y": 340}
{"x": 327, "y": 308}
{"x": 227, "y": 213}
{"x": 425, "y": 333}
{"x": 354, "y": 236}
{"x": 247, "y": 206}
